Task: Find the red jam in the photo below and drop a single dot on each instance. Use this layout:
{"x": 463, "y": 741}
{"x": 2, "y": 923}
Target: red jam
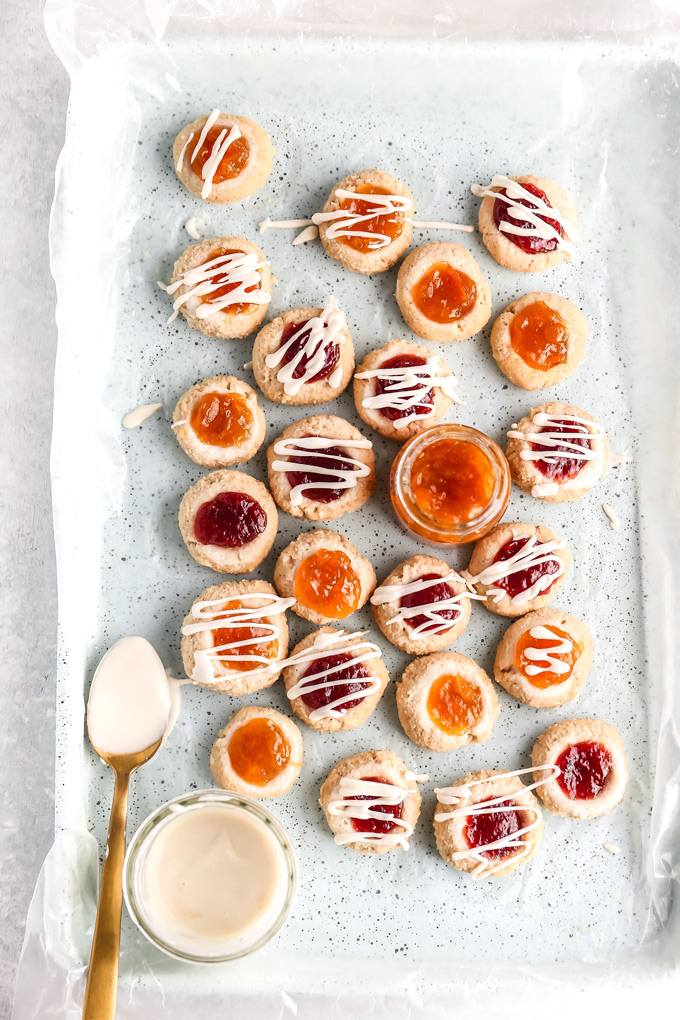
{"x": 376, "y": 824}
{"x": 258, "y": 751}
{"x": 584, "y": 770}
{"x": 307, "y": 478}
{"x": 232, "y": 162}
{"x": 391, "y": 225}
{"x": 216, "y": 292}
{"x": 527, "y": 242}
{"x": 560, "y": 469}
{"x": 521, "y": 580}
{"x": 221, "y": 419}
{"x": 230, "y": 520}
{"x": 351, "y": 676}
{"x": 444, "y": 294}
{"x": 480, "y": 830}
{"x": 433, "y": 593}
{"x": 384, "y": 385}
{"x": 331, "y": 352}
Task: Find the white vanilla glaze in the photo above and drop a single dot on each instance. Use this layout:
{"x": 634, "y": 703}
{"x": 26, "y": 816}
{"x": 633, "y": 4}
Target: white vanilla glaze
{"x": 455, "y": 796}
{"x": 612, "y": 848}
{"x": 406, "y": 387}
{"x": 441, "y": 225}
{"x": 311, "y": 231}
{"x": 348, "y": 224}
{"x": 133, "y": 419}
{"x": 614, "y": 522}
{"x": 321, "y": 331}
{"x": 239, "y": 268}
{"x": 191, "y": 227}
{"x": 267, "y": 224}
{"x": 213, "y": 614}
{"x": 217, "y": 153}
{"x": 434, "y": 623}
{"x": 129, "y": 703}
{"x": 532, "y": 554}
{"x": 379, "y": 795}
{"x": 335, "y": 643}
{"x": 308, "y": 234}
{"x": 560, "y": 443}
{"x": 538, "y": 227}
{"x": 545, "y": 489}
{"x": 545, "y": 660}
{"x": 317, "y": 446}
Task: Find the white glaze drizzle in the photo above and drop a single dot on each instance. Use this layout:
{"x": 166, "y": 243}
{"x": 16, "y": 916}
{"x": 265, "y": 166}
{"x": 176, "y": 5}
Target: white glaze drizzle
{"x": 615, "y": 459}
{"x": 321, "y": 331}
{"x": 434, "y": 624}
{"x": 406, "y": 388}
{"x": 217, "y": 153}
{"x": 308, "y": 234}
{"x": 191, "y": 227}
{"x": 454, "y": 795}
{"x": 543, "y": 660}
{"x": 545, "y": 489}
{"x": 335, "y": 643}
{"x": 348, "y": 224}
{"x": 441, "y": 225}
{"x": 532, "y": 554}
{"x": 180, "y": 161}
{"x": 612, "y": 848}
{"x": 133, "y": 419}
{"x": 614, "y": 522}
{"x": 311, "y": 231}
{"x": 583, "y": 427}
{"x": 316, "y": 446}
{"x": 539, "y": 228}
{"x": 213, "y": 615}
{"x": 236, "y": 268}
{"x": 267, "y": 224}
{"x": 379, "y": 795}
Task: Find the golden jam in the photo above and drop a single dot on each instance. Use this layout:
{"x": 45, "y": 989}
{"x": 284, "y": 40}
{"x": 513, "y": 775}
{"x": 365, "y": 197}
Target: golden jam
{"x": 327, "y": 583}
{"x": 221, "y": 419}
{"x": 539, "y": 335}
{"x": 221, "y": 289}
{"x": 260, "y": 642}
{"x": 258, "y": 751}
{"x": 452, "y": 481}
{"x": 391, "y": 224}
{"x": 444, "y": 294}
{"x": 546, "y": 678}
{"x": 232, "y": 162}
{"x": 454, "y": 704}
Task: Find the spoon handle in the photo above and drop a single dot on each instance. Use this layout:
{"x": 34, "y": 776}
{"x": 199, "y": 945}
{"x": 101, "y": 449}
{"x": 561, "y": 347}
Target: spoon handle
{"x": 102, "y": 977}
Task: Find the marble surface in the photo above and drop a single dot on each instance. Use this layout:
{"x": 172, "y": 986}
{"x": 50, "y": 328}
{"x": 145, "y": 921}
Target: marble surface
{"x": 34, "y": 90}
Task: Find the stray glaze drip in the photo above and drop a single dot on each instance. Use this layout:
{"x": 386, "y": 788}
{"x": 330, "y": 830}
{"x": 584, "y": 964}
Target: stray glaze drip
{"x": 377, "y": 795}
{"x": 236, "y": 268}
{"x": 406, "y": 387}
{"x": 335, "y": 643}
{"x": 434, "y": 622}
{"x": 321, "y": 331}
{"x": 614, "y": 522}
{"x": 317, "y": 446}
{"x": 544, "y": 659}
{"x": 562, "y": 443}
{"x": 348, "y": 224}
{"x": 531, "y": 214}
{"x": 532, "y": 554}
{"x": 133, "y": 419}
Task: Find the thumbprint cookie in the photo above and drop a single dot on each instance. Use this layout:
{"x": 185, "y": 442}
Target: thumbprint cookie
{"x": 325, "y": 574}
{"x": 235, "y": 638}
{"x": 589, "y": 764}
{"x": 518, "y": 568}
{"x": 401, "y": 389}
{"x": 557, "y": 452}
{"x": 218, "y": 422}
{"x": 228, "y": 521}
{"x": 442, "y": 294}
{"x": 334, "y": 679}
{"x": 321, "y": 468}
{"x": 539, "y": 340}
{"x": 366, "y": 222}
{"x": 527, "y": 223}
{"x": 544, "y": 658}
{"x": 223, "y": 158}
{"x": 371, "y": 802}
{"x": 445, "y": 701}
{"x": 304, "y": 356}
{"x": 222, "y": 287}
{"x": 258, "y": 753}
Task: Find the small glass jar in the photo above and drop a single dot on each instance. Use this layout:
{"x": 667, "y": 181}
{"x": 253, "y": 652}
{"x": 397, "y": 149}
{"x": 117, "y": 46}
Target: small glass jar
{"x": 473, "y": 468}
{"x": 174, "y": 943}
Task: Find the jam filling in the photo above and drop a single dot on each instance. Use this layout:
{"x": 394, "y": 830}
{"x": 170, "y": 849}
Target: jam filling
{"x": 444, "y": 294}
{"x": 521, "y": 580}
{"x": 330, "y": 358}
{"x": 231, "y": 164}
{"x": 385, "y": 385}
{"x": 351, "y": 677}
{"x": 326, "y": 582}
{"x": 376, "y": 824}
{"x": 230, "y": 520}
{"x": 219, "y": 287}
{"x": 454, "y": 704}
{"x": 539, "y": 335}
{"x": 235, "y": 658}
{"x": 221, "y": 419}
{"x": 391, "y": 225}
{"x": 452, "y": 481}
{"x": 258, "y": 751}
{"x": 546, "y": 678}
{"x": 482, "y": 829}
{"x": 527, "y": 242}
{"x": 561, "y": 469}
{"x": 331, "y": 467}
{"x": 433, "y": 593}
{"x": 585, "y": 768}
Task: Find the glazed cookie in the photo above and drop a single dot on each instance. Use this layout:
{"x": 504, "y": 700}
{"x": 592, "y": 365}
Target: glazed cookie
{"x": 446, "y": 701}
{"x": 304, "y": 356}
{"x": 235, "y": 637}
{"x": 326, "y": 576}
{"x": 228, "y": 521}
{"x": 258, "y": 753}
{"x": 219, "y": 422}
{"x": 371, "y": 802}
{"x": 544, "y": 658}
{"x": 222, "y": 286}
{"x": 557, "y": 453}
{"x": 223, "y": 158}
{"x": 334, "y": 679}
{"x": 442, "y": 294}
{"x": 402, "y": 388}
{"x": 539, "y": 340}
{"x": 422, "y": 606}
{"x": 527, "y": 223}
{"x": 321, "y": 468}
{"x": 518, "y": 568}
{"x": 366, "y": 221}
{"x": 589, "y": 760}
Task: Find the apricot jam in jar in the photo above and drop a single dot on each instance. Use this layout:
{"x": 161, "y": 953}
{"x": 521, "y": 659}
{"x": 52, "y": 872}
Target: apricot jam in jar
{"x": 450, "y": 484}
